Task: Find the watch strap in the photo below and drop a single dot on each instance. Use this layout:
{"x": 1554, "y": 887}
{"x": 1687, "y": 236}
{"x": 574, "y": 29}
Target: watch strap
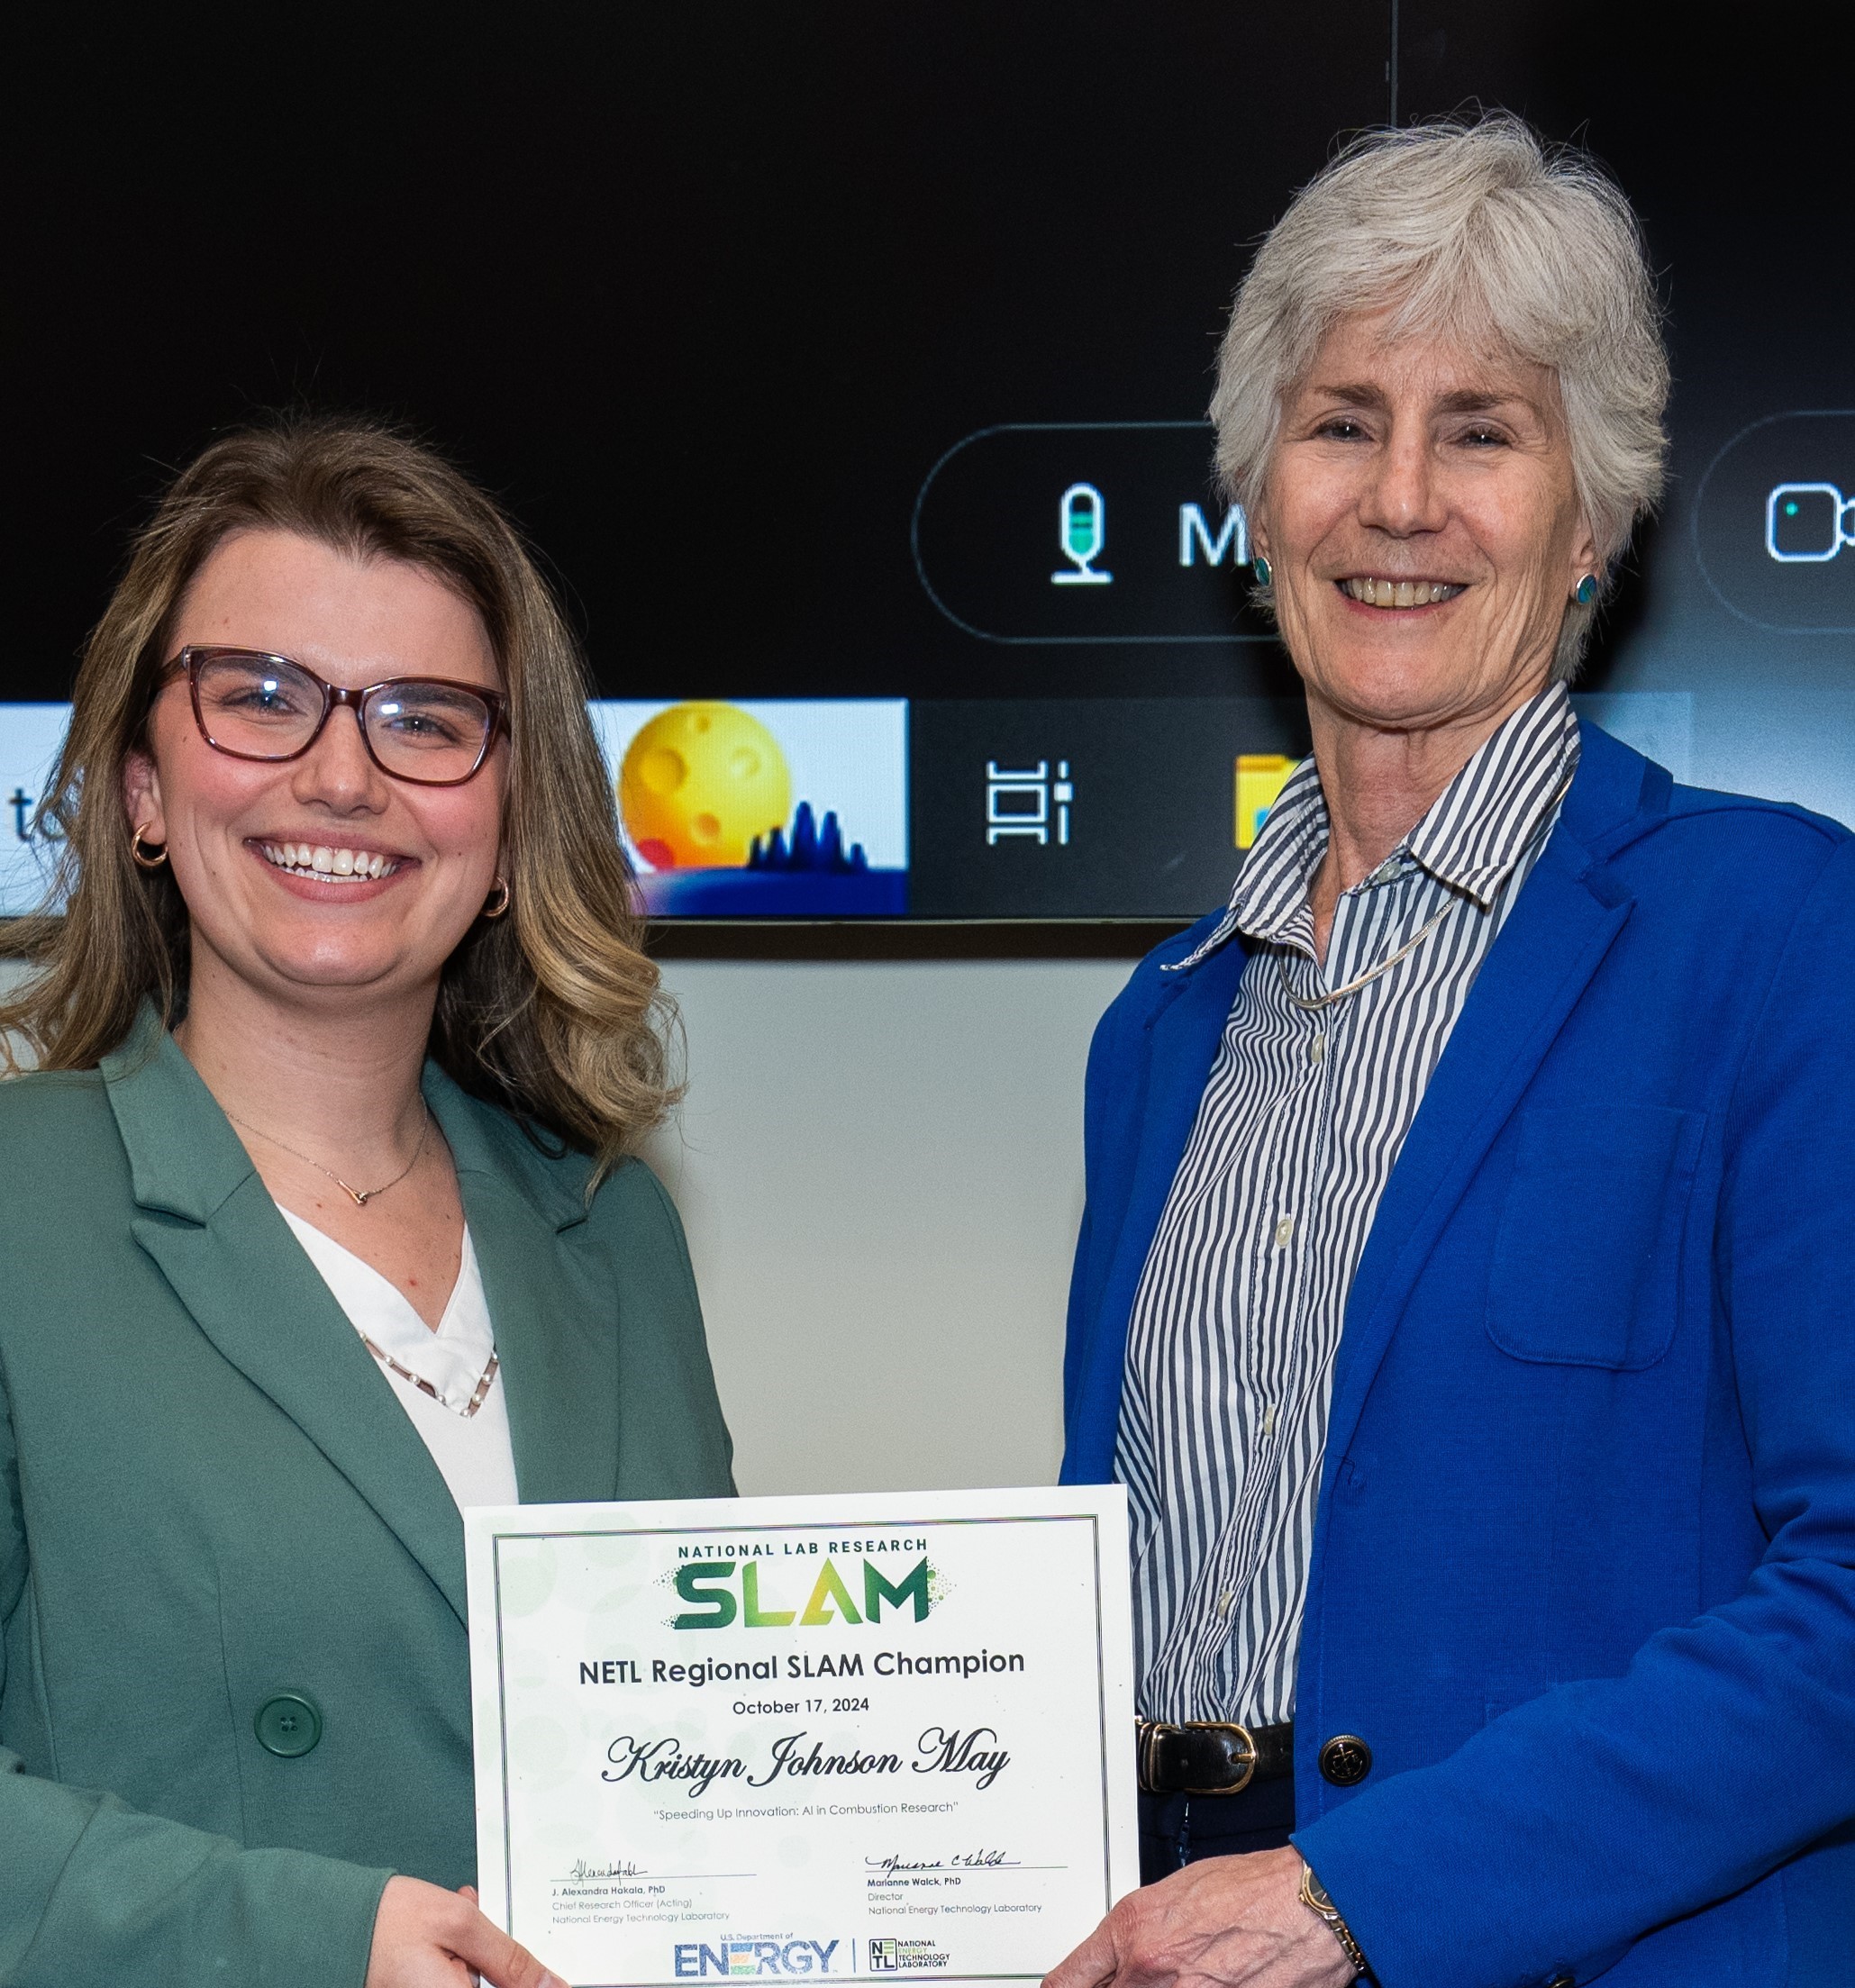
{"x": 1313, "y": 1896}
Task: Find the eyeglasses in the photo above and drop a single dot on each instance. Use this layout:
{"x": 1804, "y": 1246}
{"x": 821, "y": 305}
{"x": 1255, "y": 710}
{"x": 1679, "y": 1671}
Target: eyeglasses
{"x": 423, "y": 729}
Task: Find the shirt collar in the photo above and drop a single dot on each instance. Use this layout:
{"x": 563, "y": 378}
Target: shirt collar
{"x": 1485, "y": 820}
{"x": 1471, "y": 838}
{"x": 1272, "y": 885}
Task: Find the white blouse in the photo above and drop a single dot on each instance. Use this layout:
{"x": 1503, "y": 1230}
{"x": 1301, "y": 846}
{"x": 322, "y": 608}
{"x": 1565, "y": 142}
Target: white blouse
{"x": 472, "y": 1451}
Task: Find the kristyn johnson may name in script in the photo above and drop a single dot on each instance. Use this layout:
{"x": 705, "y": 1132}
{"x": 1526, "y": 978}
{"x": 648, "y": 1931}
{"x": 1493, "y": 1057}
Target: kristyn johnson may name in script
{"x": 941, "y": 1749}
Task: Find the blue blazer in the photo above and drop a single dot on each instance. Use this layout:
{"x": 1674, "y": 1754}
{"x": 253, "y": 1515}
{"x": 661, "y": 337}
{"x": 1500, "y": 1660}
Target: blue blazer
{"x": 1583, "y": 1572}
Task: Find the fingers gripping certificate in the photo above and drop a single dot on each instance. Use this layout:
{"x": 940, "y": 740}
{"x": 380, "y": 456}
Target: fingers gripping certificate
{"x": 859, "y": 1738}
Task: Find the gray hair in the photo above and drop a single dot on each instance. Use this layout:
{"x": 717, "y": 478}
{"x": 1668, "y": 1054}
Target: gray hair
{"x": 1476, "y": 230}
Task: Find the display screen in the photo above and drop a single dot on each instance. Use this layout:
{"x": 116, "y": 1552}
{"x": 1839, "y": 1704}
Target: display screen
{"x": 848, "y": 366}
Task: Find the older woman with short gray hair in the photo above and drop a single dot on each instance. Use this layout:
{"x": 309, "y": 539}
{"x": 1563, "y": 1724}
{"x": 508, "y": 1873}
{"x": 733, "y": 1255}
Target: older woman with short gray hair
{"x": 1482, "y": 238}
{"x": 1462, "y": 1292}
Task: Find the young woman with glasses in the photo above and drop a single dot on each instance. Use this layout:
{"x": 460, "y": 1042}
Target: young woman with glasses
{"x": 317, "y": 1225}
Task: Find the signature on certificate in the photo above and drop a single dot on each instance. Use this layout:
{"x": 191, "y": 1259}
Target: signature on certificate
{"x": 582, "y": 1871}
{"x": 963, "y": 1860}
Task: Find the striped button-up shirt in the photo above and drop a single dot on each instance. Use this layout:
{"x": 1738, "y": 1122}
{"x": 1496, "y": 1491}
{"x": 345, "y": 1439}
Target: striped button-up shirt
{"x": 1229, "y": 1352}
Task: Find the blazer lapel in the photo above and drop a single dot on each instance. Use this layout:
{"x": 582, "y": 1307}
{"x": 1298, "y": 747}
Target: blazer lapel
{"x": 208, "y": 1223}
{"x": 1184, "y": 1034}
{"x": 1182, "y": 1039}
{"x": 553, "y": 1314}
{"x": 1556, "y": 937}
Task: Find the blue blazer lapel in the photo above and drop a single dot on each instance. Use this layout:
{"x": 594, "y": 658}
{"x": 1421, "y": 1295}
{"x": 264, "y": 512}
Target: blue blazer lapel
{"x": 205, "y": 1218}
{"x": 1564, "y": 921}
{"x": 553, "y": 1311}
{"x": 1183, "y": 1035}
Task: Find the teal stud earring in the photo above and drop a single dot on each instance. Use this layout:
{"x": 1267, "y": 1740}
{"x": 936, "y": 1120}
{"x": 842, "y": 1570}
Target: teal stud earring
{"x": 1260, "y": 567}
{"x": 1586, "y": 591}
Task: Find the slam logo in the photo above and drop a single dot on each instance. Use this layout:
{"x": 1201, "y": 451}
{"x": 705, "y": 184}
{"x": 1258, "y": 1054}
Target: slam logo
{"x": 694, "y": 1960}
{"x": 719, "y": 1599}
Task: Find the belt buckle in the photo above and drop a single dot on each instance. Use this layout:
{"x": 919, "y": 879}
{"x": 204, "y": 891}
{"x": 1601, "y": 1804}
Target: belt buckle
{"x": 1246, "y": 1739}
{"x": 1151, "y": 1731}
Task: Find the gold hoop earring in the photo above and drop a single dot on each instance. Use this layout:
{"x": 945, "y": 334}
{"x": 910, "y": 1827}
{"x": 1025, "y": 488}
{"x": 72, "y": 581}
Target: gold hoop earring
{"x": 148, "y": 856}
{"x": 497, "y": 902}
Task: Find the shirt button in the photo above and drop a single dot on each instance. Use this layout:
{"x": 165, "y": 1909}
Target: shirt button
{"x": 1346, "y": 1760}
{"x": 1285, "y": 1231}
{"x": 1318, "y": 1049}
{"x": 1224, "y": 1602}
{"x": 288, "y": 1725}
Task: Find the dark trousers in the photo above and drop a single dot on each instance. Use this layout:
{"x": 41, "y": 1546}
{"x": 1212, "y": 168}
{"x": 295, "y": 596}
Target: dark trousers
{"x": 1177, "y": 1830}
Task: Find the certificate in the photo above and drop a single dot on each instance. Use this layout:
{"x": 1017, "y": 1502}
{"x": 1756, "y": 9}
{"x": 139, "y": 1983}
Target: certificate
{"x": 863, "y": 1737}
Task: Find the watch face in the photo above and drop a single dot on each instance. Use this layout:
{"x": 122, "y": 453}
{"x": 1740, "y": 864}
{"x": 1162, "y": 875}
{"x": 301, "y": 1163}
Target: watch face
{"x": 1318, "y": 1894}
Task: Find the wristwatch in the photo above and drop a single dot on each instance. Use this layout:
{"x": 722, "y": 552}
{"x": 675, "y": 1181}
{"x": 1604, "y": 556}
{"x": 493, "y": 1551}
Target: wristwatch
{"x": 1313, "y": 1896}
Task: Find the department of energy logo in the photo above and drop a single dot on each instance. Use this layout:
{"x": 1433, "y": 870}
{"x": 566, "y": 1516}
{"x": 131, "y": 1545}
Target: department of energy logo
{"x": 737, "y": 1957}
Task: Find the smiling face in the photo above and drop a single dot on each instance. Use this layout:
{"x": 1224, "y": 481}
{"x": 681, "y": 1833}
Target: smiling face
{"x": 321, "y": 879}
{"x": 1423, "y": 530}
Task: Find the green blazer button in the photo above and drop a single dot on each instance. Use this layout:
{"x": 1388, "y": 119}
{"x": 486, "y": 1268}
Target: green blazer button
{"x": 288, "y": 1725}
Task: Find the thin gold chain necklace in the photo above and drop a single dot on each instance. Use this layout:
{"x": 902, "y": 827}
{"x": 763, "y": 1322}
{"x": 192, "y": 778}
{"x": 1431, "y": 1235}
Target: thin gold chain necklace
{"x": 360, "y": 1196}
{"x": 1310, "y": 1003}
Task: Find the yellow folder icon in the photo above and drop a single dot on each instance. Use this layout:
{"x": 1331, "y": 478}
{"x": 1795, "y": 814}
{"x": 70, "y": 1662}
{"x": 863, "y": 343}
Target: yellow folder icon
{"x": 1260, "y": 777}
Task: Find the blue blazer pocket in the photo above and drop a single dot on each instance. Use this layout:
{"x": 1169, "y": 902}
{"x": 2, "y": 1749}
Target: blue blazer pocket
{"x": 1586, "y": 1267}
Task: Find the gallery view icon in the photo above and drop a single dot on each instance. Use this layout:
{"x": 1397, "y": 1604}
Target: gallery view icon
{"x": 1024, "y": 803}
{"x": 1807, "y": 524}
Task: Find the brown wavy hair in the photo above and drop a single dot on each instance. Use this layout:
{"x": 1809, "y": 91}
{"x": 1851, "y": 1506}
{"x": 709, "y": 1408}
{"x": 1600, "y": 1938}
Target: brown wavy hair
{"x": 553, "y": 1012}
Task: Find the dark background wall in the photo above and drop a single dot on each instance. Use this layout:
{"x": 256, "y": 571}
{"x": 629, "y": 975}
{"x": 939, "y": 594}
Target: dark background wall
{"x": 704, "y": 291}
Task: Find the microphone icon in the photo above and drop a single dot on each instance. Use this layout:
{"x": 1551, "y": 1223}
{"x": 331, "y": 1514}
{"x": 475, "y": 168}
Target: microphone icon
{"x": 1082, "y": 531}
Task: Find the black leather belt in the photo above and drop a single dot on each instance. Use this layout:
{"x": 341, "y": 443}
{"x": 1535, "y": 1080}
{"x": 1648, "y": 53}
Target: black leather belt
{"x": 1209, "y": 1757}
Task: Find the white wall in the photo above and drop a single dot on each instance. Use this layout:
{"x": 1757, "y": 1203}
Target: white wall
{"x": 880, "y": 1168}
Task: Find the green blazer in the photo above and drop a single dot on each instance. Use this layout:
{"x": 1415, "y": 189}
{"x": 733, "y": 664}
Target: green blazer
{"x": 210, "y": 1499}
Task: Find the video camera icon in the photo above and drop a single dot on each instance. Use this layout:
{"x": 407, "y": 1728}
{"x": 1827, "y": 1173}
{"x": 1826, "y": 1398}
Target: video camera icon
{"x": 1766, "y": 537}
{"x": 1807, "y": 524}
